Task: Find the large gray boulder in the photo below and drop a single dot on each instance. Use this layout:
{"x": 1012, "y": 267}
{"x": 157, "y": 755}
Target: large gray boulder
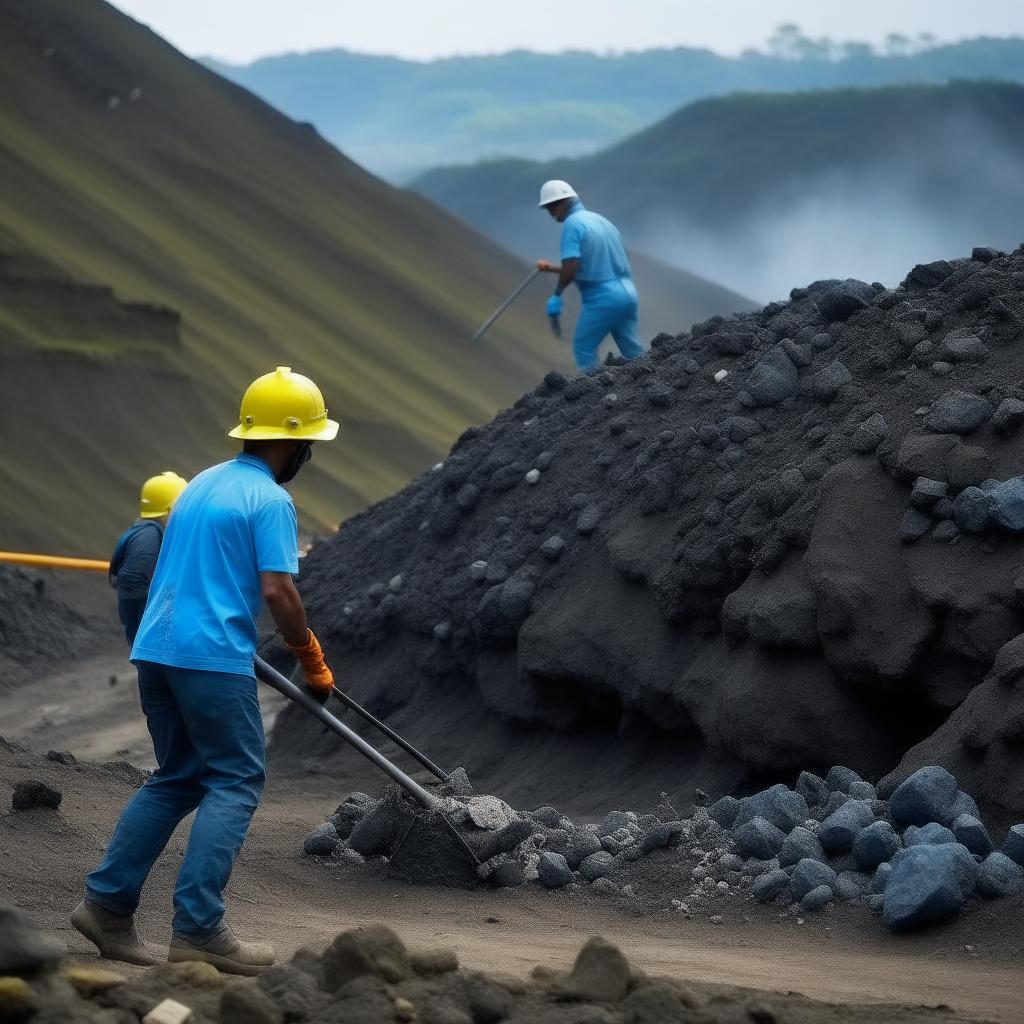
{"x": 928, "y": 884}
{"x": 927, "y": 795}
{"x": 957, "y": 412}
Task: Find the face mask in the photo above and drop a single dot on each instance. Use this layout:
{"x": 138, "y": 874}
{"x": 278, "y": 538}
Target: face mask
{"x": 302, "y": 454}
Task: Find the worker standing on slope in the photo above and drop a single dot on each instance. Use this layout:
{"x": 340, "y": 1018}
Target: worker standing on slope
{"x": 594, "y": 257}
{"x": 232, "y": 538}
{"x": 134, "y": 559}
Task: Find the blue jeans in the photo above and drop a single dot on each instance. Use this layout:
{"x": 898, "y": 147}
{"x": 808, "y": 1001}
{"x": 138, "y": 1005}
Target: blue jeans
{"x": 609, "y": 307}
{"x": 208, "y": 739}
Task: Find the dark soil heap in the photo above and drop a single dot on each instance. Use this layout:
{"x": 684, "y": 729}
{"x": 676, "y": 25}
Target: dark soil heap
{"x": 37, "y": 627}
{"x": 771, "y": 544}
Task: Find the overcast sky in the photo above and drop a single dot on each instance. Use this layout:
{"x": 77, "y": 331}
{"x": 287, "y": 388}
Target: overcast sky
{"x": 241, "y": 30}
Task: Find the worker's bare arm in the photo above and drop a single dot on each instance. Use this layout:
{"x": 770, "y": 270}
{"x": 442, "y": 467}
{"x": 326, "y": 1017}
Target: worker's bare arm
{"x": 566, "y": 270}
{"x": 285, "y": 606}
{"x": 567, "y": 273}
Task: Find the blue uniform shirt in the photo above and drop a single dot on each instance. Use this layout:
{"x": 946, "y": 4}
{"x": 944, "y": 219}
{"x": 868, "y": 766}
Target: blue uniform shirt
{"x": 134, "y": 558}
{"x": 231, "y": 523}
{"x": 595, "y": 241}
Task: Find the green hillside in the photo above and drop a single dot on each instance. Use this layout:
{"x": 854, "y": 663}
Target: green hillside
{"x": 165, "y": 236}
{"x": 127, "y": 166}
{"x": 845, "y": 179}
{"x": 399, "y": 117}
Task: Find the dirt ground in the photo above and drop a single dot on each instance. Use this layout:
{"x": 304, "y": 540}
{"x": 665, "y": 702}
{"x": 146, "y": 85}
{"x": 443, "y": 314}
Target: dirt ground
{"x": 974, "y": 966}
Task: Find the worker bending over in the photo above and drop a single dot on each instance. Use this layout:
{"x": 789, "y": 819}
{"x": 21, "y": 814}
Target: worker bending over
{"x": 134, "y": 559}
{"x": 232, "y": 539}
{"x": 594, "y": 257}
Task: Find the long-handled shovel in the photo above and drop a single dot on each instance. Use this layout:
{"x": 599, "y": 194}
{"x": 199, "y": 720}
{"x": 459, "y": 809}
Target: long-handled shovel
{"x": 432, "y": 848}
{"x": 524, "y": 284}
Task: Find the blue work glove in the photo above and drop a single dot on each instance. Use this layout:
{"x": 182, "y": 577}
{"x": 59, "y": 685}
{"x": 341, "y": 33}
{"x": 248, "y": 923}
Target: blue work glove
{"x": 555, "y": 305}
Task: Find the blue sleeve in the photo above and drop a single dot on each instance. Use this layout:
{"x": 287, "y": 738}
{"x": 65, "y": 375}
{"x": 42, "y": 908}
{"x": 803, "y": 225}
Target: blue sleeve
{"x": 572, "y": 238}
{"x": 276, "y": 536}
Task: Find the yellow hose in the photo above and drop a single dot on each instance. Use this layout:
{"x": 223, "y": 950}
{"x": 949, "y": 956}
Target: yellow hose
{"x": 54, "y": 561}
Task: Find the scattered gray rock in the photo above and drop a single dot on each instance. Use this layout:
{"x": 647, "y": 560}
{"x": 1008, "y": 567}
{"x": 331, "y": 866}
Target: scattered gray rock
{"x": 928, "y": 884}
{"x": 808, "y": 875}
{"x": 818, "y": 898}
{"x": 874, "y": 844}
{"x": 553, "y": 870}
{"x": 839, "y": 830}
{"x": 970, "y": 832}
{"x": 957, "y": 412}
{"x": 999, "y": 876}
{"x": 800, "y": 844}
{"x": 758, "y": 838}
{"x": 321, "y": 841}
{"x": 597, "y": 865}
{"x": 34, "y": 793}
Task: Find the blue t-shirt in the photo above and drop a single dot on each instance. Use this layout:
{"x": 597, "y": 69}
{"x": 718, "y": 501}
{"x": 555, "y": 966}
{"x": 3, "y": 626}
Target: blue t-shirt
{"x": 595, "y": 241}
{"x": 231, "y": 523}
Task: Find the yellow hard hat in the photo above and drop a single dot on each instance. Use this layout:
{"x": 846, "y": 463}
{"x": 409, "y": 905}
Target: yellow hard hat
{"x": 159, "y": 493}
{"x": 283, "y": 406}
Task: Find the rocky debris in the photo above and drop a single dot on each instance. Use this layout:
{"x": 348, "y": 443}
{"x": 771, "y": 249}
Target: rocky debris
{"x": 839, "y": 842}
{"x": 24, "y": 951}
{"x": 369, "y": 975}
{"x": 816, "y": 554}
{"x": 34, "y": 793}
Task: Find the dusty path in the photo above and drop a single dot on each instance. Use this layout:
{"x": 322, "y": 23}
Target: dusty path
{"x": 279, "y": 894}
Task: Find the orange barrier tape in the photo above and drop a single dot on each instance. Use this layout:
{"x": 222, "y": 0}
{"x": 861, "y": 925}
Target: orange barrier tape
{"x": 54, "y": 561}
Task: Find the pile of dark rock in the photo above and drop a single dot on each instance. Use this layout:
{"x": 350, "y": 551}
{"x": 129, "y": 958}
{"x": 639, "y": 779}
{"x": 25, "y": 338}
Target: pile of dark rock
{"x": 710, "y": 541}
{"x": 37, "y": 626}
{"x": 916, "y": 857}
{"x": 368, "y": 975}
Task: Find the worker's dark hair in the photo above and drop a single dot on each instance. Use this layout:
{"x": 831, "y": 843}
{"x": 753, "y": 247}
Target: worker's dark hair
{"x": 255, "y": 447}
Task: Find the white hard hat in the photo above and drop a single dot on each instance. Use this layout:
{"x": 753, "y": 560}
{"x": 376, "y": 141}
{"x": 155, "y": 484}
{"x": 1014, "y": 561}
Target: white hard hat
{"x": 553, "y": 191}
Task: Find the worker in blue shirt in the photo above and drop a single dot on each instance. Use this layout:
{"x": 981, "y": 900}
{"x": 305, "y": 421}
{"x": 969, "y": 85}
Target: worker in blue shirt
{"x": 592, "y": 255}
{"x": 134, "y": 559}
{"x": 231, "y": 541}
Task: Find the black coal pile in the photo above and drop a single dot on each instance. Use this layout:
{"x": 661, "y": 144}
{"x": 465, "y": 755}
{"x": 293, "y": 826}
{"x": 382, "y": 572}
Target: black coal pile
{"x": 368, "y": 975}
{"x": 916, "y": 858}
{"x": 37, "y": 627}
{"x": 777, "y": 541}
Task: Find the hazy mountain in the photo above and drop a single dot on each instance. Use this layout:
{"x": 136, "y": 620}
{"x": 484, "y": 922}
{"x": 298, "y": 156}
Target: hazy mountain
{"x": 759, "y": 191}
{"x": 398, "y": 117}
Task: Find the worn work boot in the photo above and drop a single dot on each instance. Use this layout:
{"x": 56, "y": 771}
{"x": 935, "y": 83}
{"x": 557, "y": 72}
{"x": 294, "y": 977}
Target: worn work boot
{"x": 225, "y": 951}
{"x": 114, "y": 935}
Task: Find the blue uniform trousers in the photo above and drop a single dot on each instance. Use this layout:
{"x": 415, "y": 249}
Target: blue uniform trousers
{"x": 208, "y": 739}
{"x": 609, "y": 307}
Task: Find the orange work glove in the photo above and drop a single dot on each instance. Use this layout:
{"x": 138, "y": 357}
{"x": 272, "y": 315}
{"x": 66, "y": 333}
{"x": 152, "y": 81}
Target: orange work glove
{"x": 319, "y": 676}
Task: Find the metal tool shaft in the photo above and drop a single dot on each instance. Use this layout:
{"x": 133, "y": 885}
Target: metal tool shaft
{"x": 508, "y": 302}
{"x": 298, "y": 695}
{"x": 391, "y": 734}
